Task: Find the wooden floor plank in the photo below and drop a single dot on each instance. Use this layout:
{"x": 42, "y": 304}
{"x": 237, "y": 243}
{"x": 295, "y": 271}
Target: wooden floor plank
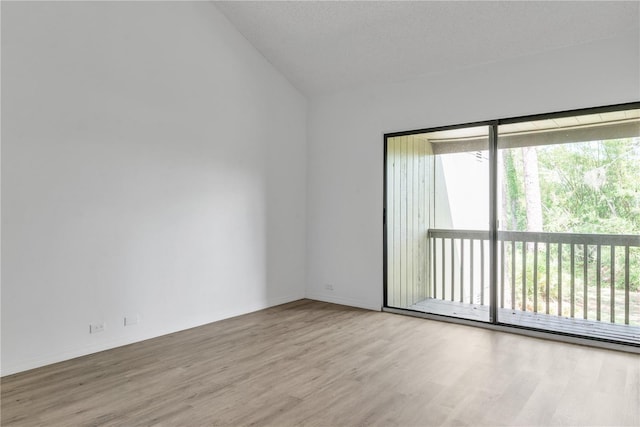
{"x": 313, "y": 363}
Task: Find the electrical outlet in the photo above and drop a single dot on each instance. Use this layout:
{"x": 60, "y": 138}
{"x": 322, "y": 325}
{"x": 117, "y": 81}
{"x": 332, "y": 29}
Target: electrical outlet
{"x": 94, "y": 328}
{"x": 131, "y": 320}
{"x": 328, "y": 287}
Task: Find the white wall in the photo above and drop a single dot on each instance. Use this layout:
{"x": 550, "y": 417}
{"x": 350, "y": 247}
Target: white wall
{"x": 153, "y": 163}
{"x": 345, "y": 145}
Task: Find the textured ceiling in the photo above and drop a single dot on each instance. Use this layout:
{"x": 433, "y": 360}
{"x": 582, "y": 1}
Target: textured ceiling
{"x": 323, "y": 47}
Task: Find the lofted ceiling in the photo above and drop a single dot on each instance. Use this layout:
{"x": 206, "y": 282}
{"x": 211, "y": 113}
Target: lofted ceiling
{"x": 328, "y": 46}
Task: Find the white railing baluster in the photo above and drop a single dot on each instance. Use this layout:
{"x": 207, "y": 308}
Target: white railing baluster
{"x": 443, "y": 269}
{"x": 559, "y": 279}
{"x": 513, "y": 275}
{"x": 573, "y": 279}
{"x": 503, "y": 262}
{"x": 585, "y": 295}
{"x": 598, "y": 282}
{"x": 626, "y": 285}
{"x": 535, "y": 277}
{"x": 612, "y": 295}
{"x": 464, "y": 266}
{"x": 524, "y": 276}
{"x": 453, "y": 268}
{"x": 471, "y": 270}
{"x": 548, "y": 278}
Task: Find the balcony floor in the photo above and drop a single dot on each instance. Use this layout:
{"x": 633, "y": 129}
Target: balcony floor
{"x": 588, "y": 328}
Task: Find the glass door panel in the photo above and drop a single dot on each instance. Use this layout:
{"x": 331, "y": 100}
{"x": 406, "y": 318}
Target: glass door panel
{"x": 569, "y": 224}
{"x": 408, "y": 206}
{"x": 437, "y": 222}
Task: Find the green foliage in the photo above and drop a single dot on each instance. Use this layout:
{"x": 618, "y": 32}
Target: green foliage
{"x": 558, "y": 281}
{"x": 588, "y": 187}
{"x": 515, "y": 205}
{"x": 591, "y": 187}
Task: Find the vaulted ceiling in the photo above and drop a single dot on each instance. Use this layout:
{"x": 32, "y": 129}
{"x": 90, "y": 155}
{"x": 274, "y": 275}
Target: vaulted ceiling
{"x": 327, "y": 46}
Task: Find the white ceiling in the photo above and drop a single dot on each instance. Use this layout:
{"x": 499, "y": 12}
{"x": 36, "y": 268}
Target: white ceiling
{"x": 327, "y": 46}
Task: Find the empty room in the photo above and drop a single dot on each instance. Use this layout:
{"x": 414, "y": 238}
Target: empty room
{"x": 323, "y": 213}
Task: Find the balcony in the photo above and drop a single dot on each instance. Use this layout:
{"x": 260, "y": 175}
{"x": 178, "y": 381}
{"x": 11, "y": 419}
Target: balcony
{"x": 578, "y": 284}
{"x": 563, "y": 192}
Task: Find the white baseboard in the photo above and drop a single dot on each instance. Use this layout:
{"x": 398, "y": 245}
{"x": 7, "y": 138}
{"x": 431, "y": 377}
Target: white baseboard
{"x": 72, "y": 353}
{"x": 343, "y": 301}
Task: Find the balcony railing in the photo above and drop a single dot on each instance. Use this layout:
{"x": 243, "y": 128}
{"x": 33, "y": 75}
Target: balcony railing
{"x": 576, "y": 276}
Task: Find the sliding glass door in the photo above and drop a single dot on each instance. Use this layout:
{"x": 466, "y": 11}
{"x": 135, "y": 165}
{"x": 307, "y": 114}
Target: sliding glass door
{"x": 437, "y": 222}
{"x": 409, "y": 213}
{"x": 569, "y": 221}
{"x": 563, "y": 254}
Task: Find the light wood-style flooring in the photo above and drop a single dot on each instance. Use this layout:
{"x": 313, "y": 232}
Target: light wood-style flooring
{"x": 320, "y": 364}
